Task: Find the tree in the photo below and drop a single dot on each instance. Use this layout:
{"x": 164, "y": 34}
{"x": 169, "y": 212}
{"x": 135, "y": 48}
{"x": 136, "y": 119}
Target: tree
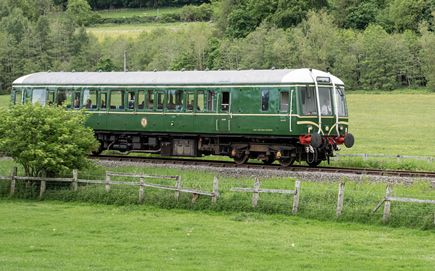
{"x": 106, "y": 65}
{"x": 405, "y": 13}
{"x": 82, "y": 12}
{"x": 46, "y": 138}
{"x": 362, "y": 15}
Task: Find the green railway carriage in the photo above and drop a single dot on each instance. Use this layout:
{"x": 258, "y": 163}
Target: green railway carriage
{"x": 286, "y": 115}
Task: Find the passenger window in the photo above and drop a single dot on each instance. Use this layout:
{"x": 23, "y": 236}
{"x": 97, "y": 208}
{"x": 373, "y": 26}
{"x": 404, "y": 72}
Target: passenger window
{"x": 18, "y": 97}
{"x": 140, "y": 99}
{"x": 341, "y": 101}
{"x": 38, "y": 95}
{"x": 131, "y": 100}
{"x": 265, "y": 100}
{"x": 175, "y": 100}
{"x": 210, "y": 100}
{"x": 190, "y": 103}
{"x": 200, "y": 100}
{"x": 150, "y": 100}
{"x": 76, "y": 100}
{"x": 103, "y": 101}
{"x": 225, "y": 101}
{"x": 283, "y": 107}
{"x": 63, "y": 97}
{"x": 308, "y": 100}
{"x": 90, "y": 99}
{"x": 160, "y": 100}
{"x": 117, "y": 98}
{"x": 51, "y": 98}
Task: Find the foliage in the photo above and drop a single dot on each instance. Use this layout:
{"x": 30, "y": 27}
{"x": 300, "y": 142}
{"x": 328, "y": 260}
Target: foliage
{"x": 105, "y": 64}
{"x": 81, "y": 12}
{"x": 46, "y": 138}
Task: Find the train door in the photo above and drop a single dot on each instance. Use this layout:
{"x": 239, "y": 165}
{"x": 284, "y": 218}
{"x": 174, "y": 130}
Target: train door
{"x": 191, "y": 109}
{"x": 223, "y": 121}
{"x": 18, "y": 98}
{"x": 159, "y": 103}
{"x": 286, "y": 110}
{"x": 103, "y": 109}
{"x": 51, "y": 97}
{"x": 205, "y": 113}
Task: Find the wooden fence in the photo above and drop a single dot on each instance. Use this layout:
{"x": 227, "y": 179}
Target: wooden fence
{"x": 388, "y": 198}
{"x": 214, "y": 194}
{"x": 107, "y": 182}
{"x": 366, "y": 156}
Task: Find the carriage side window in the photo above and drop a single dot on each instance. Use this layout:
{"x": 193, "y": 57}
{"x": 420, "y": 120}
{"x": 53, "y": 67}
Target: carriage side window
{"x": 131, "y": 100}
{"x": 325, "y": 101}
{"x": 38, "y": 95}
{"x": 225, "y": 101}
{"x": 308, "y": 100}
{"x": 341, "y": 101}
{"x": 150, "y": 100}
{"x": 200, "y": 100}
{"x": 103, "y": 101}
{"x": 18, "y": 97}
{"x": 140, "y": 99}
{"x": 76, "y": 99}
{"x": 50, "y": 98}
{"x": 265, "y": 100}
{"x": 160, "y": 100}
{"x": 117, "y": 98}
{"x": 190, "y": 103}
{"x": 63, "y": 97}
{"x": 283, "y": 106}
{"x": 174, "y": 100}
{"x": 210, "y": 100}
{"x": 90, "y": 98}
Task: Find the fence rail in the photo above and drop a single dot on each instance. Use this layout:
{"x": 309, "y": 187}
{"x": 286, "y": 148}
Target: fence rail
{"x": 366, "y": 156}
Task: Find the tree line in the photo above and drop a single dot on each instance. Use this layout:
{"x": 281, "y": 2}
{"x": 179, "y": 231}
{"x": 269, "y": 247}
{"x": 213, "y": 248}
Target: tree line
{"x": 371, "y": 54}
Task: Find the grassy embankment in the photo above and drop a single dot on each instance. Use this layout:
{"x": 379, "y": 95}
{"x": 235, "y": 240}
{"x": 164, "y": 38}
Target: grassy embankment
{"x": 47, "y": 236}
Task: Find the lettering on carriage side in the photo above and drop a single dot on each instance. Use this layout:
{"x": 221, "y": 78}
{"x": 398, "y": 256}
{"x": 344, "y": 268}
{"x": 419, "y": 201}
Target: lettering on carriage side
{"x": 262, "y": 130}
{"x": 282, "y": 120}
{"x": 144, "y": 122}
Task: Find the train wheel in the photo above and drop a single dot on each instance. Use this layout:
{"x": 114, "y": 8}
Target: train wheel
{"x": 315, "y": 163}
{"x": 99, "y": 150}
{"x": 286, "y": 162}
{"x": 241, "y": 159}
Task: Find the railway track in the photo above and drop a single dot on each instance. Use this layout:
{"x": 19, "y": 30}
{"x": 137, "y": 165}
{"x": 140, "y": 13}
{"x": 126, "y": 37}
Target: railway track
{"x": 295, "y": 168}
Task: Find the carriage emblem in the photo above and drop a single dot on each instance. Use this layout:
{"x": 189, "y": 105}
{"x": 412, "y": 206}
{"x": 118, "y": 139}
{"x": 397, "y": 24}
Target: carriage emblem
{"x": 144, "y": 122}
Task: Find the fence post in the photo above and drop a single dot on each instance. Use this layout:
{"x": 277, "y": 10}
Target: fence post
{"x": 335, "y": 157}
{"x": 75, "y": 179}
{"x": 296, "y": 197}
{"x": 177, "y": 185}
{"x": 365, "y": 157}
{"x": 141, "y": 188}
{"x": 14, "y": 174}
{"x": 107, "y": 181}
{"x": 399, "y": 158}
{"x": 387, "y": 203}
{"x": 340, "y": 198}
{"x": 215, "y": 190}
{"x": 255, "y": 194}
{"x": 43, "y": 183}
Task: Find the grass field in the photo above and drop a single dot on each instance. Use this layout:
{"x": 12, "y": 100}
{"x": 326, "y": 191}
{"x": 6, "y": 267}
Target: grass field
{"x": 120, "y": 13}
{"x": 400, "y": 124}
{"x": 132, "y": 30}
{"x": 66, "y": 236}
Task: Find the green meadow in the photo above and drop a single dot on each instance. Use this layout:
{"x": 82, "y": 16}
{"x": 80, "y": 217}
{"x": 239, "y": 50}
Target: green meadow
{"x": 121, "y": 13}
{"x": 398, "y": 124}
{"x": 133, "y": 30}
{"x": 68, "y": 236}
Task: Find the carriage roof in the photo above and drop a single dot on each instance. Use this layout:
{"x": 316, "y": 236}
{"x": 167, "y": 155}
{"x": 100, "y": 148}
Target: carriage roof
{"x": 175, "y": 77}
